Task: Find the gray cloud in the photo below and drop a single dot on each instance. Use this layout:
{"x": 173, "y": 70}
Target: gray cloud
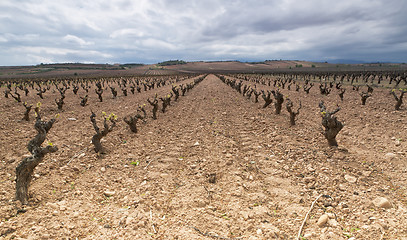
{"x": 150, "y": 31}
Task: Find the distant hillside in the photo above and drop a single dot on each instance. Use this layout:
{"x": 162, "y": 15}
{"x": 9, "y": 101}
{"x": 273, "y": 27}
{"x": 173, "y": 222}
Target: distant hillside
{"x": 171, "y": 62}
{"x": 180, "y": 66}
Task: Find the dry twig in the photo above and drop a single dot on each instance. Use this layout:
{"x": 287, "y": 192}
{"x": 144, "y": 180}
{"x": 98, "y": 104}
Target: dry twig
{"x": 77, "y": 155}
{"x": 152, "y": 222}
{"x": 148, "y": 163}
{"x": 306, "y": 216}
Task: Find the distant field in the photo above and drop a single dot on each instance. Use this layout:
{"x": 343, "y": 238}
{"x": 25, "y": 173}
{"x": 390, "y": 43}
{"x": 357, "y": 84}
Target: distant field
{"x": 86, "y": 70}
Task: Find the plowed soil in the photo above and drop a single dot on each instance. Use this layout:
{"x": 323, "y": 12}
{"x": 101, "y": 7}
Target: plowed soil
{"x": 214, "y": 166}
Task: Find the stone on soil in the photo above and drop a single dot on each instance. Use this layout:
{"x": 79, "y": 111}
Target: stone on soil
{"x": 390, "y": 155}
{"x": 382, "y": 202}
{"x": 322, "y": 220}
{"x": 109, "y": 193}
{"x": 350, "y": 178}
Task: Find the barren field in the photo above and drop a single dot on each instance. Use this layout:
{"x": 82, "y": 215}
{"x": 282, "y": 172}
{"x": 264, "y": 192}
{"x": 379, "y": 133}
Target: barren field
{"x": 214, "y": 166}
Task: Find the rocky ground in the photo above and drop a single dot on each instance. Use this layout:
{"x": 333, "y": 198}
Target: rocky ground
{"x": 214, "y": 166}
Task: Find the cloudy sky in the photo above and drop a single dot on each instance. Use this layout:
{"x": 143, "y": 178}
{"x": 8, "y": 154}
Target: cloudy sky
{"x": 150, "y": 31}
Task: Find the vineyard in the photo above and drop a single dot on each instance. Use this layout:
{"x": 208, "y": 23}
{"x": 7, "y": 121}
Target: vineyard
{"x": 283, "y": 155}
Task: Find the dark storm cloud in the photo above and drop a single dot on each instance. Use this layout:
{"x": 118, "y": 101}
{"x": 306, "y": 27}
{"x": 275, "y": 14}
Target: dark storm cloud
{"x": 150, "y": 31}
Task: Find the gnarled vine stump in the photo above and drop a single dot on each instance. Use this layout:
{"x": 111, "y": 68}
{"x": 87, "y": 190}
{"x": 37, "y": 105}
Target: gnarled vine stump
{"x": 25, "y": 169}
{"x": 332, "y": 125}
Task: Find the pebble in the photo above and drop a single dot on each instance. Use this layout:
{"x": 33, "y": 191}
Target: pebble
{"x": 109, "y": 193}
{"x": 350, "y": 178}
{"x": 71, "y": 119}
{"x": 382, "y": 202}
{"x": 309, "y": 235}
{"x": 333, "y": 223}
{"x": 129, "y": 220}
{"x": 342, "y": 187}
{"x": 331, "y": 215}
{"x": 196, "y": 144}
{"x": 259, "y": 231}
{"x": 322, "y": 220}
{"x": 390, "y": 155}
{"x": 53, "y": 205}
{"x": 103, "y": 169}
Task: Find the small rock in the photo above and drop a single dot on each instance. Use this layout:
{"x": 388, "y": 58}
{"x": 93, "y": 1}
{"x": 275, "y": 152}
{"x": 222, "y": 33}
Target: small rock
{"x": 333, "y": 223}
{"x": 71, "y": 119}
{"x": 109, "y": 193}
{"x": 164, "y": 175}
{"x": 229, "y": 155}
{"x": 381, "y": 202}
{"x": 53, "y": 205}
{"x": 259, "y": 231}
{"x": 322, "y": 220}
{"x": 397, "y": 143}
{"x": 200, "y": 203}
{"x": 129, "y": 220}
{"x": 390, "y": 155}
{"x": 103, "y": 169}
{"x": 246, "y": 215}
{"x": 310, "y": 235}
{"x": 342, "y": 187}
{"x": 331, "y": 215}
{"x": 196, "y": 144}
{"x": 350, "y": 178}
{"x": 36, "y": 175}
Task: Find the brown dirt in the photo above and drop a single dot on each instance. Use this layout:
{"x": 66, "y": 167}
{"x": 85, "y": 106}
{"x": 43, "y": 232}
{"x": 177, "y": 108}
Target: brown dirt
{"x": 214, "y": 165}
